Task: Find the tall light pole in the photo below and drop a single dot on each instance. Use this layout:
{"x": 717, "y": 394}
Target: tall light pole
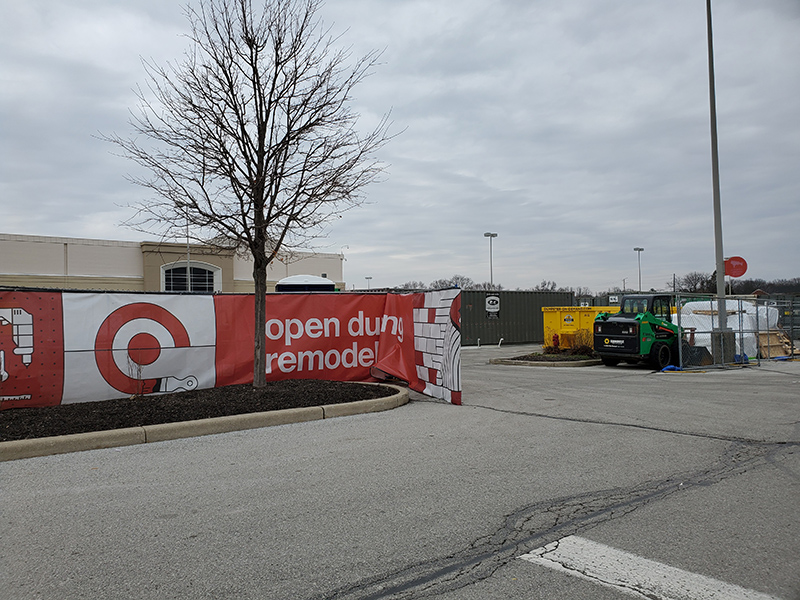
{"x": 491, "y": 236}
{"x": 712, "y": 101}
{"x": 639, "y": 256}
{"x": 368, "y": 278}
{"x": 188, "y": 258}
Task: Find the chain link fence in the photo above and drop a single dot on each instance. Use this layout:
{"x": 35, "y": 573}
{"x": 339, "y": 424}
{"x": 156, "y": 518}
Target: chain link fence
{"x": 755, "y": 329}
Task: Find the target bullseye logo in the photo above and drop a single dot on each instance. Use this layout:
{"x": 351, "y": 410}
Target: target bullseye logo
{"x": 143, "y": 348}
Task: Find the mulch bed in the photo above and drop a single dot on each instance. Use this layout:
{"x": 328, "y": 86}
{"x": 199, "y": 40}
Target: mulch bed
{"x": 552, "y": 357}
{"x": 28, "y": 423}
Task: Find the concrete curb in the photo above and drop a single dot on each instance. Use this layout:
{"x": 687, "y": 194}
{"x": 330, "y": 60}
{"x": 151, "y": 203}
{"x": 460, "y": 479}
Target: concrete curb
{"x": 535, "y": 363}
{"x": 146, "y": 434}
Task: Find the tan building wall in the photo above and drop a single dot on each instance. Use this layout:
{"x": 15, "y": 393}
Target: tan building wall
{"x": 74, "y": 263}
{"x": 70, "y": 263}
{"x": 327, "y": 265}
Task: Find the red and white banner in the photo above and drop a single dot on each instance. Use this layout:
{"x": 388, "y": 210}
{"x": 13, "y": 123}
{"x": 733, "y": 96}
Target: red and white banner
{"x": 124, "y": 344}
{"x": 71, "y": 347}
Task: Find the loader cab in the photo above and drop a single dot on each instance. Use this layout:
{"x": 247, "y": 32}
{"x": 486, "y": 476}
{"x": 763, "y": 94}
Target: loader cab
{"x": 659, "y": 306}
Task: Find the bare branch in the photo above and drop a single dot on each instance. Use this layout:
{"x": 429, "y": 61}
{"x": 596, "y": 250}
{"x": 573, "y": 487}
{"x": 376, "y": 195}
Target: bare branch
{"x": 250, "y": 141}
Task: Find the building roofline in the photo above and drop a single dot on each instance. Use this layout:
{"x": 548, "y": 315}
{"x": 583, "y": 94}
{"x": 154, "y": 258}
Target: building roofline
{"x": 46, "y": 239}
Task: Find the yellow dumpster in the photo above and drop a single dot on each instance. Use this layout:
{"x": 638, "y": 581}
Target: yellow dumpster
{"x": 571, "y": 326}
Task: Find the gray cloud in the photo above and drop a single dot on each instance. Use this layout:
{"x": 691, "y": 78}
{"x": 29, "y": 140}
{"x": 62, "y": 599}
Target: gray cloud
{"x": 575, "y": 130}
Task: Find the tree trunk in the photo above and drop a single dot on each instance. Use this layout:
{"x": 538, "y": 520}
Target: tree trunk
{"x": 260, "y": 346}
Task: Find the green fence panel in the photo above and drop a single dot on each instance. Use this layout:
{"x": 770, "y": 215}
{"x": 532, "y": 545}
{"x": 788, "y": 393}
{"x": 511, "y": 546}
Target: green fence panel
{"x": 514, "y": 317}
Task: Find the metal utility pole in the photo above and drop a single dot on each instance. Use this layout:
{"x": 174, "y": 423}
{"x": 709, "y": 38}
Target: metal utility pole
{"x": 188, "y": 258}
{"x": 491, "y": 236}
{"x": 639, "y": 256}
{"x": 720, "y": 259}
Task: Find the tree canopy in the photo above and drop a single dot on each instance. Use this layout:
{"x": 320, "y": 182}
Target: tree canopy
{"x": 250, "y": 141}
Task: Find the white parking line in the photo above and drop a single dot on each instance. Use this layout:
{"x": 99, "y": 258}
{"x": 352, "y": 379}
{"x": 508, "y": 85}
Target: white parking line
{"x": 633, "y": 575}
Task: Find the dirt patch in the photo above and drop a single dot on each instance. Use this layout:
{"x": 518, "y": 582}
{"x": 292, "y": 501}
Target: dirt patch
{"x": 29, "y": 423}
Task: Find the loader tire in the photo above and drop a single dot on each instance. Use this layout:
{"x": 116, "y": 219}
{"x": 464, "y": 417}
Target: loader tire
{"x": 660, "y": 356}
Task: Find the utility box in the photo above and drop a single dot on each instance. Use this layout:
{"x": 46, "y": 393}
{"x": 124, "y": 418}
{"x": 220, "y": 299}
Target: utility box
{"x": 571, "y": 326}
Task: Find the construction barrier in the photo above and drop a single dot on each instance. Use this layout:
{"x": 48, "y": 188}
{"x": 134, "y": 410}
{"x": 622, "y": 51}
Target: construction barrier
{"x": 62, "y": 347}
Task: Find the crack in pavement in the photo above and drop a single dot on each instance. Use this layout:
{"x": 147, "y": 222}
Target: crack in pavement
{"x": 544, "y": 522}
{"x": 709, "y": 436}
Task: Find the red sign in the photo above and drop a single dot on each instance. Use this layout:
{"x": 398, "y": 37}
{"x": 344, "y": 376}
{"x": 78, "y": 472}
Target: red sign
{"x": 735, "y": 266}
{"x": 308, "y": 336}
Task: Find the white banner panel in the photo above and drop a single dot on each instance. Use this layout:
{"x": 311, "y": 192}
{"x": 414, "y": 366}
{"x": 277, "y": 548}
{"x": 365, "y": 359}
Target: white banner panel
{"x": 117, "y": 345}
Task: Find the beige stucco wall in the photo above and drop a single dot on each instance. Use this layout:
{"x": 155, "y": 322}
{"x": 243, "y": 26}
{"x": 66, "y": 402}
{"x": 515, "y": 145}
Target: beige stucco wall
{"x": 76, "y": 263}
{"x": 298, "y": 263}
{"x": 70, "y": 263}
{"x": 243, "y": 270}
{"x": 38, "y": 255}
{"x": 27, "y": 257}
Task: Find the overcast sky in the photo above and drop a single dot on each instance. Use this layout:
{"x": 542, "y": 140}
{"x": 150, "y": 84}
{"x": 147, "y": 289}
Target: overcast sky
{"x": 574, "y": 129}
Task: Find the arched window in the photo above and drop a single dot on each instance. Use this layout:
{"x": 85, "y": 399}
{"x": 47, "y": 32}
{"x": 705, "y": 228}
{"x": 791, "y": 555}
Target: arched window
{"x": 204, "y": 278}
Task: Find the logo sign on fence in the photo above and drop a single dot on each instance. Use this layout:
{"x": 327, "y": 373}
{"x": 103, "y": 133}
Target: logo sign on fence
{"x": 493, "y": 307}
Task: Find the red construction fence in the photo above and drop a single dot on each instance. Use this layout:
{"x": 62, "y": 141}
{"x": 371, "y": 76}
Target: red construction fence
{"x": 62, "y": 347}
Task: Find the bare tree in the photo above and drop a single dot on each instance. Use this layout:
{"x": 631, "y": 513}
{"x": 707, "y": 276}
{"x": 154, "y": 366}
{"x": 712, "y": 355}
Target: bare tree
{"x": 487, "y": 286}
{"x": 694, "y": 282}
{"x": 252, "y": 143}
{"x": 777, "y": 286}
{"x": 412, "y": 285}
{"x": 546, "y": 286}
{"x": 460, "y": 281}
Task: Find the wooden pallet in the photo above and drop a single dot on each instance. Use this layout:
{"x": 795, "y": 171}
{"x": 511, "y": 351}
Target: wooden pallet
{"x": 714, "y": 312}
{"x": 775, "y": 343}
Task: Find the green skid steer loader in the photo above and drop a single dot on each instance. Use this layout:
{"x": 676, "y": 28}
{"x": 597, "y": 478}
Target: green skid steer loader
{"x": 642, "y": 331}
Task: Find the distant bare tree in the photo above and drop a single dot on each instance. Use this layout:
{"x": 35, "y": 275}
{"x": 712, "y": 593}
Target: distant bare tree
{"x": 412, "y": 285}
{"x": 783, "y": 286}
{"x": 747, "y": 286}
{"x": 777, "y": 286}
{"x": 546, "y": 286}
{"x": 251, "y": 141}
{"x": 439, "y": 284}
{"x": 487, "y": 286}
{"x": 695, "y": 282}
{"x": 461, "y": 281}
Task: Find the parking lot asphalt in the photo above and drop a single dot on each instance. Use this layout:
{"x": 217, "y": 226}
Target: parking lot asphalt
{"x": 699, "y": 472}
{"x": 754, "y": 403}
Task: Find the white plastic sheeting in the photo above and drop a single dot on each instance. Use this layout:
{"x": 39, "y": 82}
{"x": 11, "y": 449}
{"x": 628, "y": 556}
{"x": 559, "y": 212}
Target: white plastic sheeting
{"x": 745, "y": 319}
